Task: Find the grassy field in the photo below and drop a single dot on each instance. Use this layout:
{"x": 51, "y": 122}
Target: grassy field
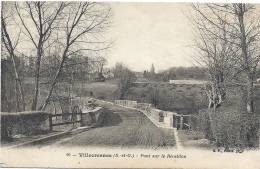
{"x": 181, "y": 98}
{"x": 101, "y": 90}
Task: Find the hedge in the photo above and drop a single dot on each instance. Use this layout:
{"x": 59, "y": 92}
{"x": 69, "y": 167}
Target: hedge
{"x": 27, "y": 123}
{"x": 193, "y": 122}
{"x": 230, "y": 129}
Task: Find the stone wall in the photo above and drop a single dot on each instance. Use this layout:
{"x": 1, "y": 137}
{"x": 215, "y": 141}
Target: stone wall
{"x": 161, "y": 116}
{"x": 92, "y": 116}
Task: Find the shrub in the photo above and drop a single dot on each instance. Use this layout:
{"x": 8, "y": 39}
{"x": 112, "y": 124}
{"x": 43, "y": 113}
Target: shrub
{"x": 145, "y": 84}
{"x": 204, "y": 124}
{"x": 193, "y": 122}
{"x": 31, "y": 122}
{"x": 9, "y": 124}
{"x": 230, "y": 129}
{"x": 101, "y": 96}
{"x": 148, "y": 109}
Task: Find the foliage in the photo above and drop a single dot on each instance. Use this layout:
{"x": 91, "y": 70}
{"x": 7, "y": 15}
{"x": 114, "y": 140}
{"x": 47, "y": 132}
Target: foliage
{"x": 154, "y": 96}
{"x": 184, "y": 99}
{"x": 28, "y": 123}
{"x": 126, "y": 79}
{"x": 194, "y": 122}
{"x": 229, "y": 128}
{"x": 194, "y": 72}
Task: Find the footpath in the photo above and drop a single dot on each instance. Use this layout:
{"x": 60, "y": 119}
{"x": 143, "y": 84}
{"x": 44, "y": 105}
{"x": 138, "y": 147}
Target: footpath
{"x": 154, "y": 121}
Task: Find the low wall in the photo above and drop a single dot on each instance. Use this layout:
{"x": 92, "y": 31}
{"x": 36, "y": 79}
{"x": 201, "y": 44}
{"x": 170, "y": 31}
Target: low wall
{"x": 157, "y": 114}
{"x": 133, "y": 104}
{"x": 92, "y": 116}
{"x": 169, "y": 118}
{"x": 27, "y": 123}
{"x": 142, "y": 106}
{"x": 165, "y": 117}
{"x": 126, "y": 103}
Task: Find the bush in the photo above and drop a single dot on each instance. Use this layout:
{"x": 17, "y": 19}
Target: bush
{"x": 204, "y": 124}
{"x": 101, "y": 96}
{"x": 193, "y": 122}
{"x": 230, "y": 129}
{"x": 148, "y": 109}
{"x": 22, "y": 123}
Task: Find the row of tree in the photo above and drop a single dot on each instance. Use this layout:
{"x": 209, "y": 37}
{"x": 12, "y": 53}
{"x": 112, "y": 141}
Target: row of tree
{"x": 195, "y": 72}
{"x": 59, "y": 30}
{"x": 227, "y": 43}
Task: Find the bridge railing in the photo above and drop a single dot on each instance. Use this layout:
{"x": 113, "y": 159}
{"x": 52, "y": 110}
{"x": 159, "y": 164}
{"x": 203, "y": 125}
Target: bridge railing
{"x": 172, "y": 119}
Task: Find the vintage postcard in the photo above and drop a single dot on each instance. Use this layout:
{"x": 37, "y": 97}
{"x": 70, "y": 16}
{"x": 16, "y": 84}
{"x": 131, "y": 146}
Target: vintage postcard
{"x": 130, "y": 85}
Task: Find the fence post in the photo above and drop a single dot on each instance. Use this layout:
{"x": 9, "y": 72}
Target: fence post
{"x": 176, "y": 122}
{"x": 81, "y": 119}
{"x": 50, "y": 121}
{"x": 189, "y": 122}
{"x": 181, "y": 122}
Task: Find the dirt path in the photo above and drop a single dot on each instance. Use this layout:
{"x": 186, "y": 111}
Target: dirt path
{"x": 121, "y": 128}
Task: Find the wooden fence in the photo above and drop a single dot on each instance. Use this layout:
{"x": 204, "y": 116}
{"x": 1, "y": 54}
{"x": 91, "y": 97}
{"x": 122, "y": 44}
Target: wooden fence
{"x": 71, "y": 118}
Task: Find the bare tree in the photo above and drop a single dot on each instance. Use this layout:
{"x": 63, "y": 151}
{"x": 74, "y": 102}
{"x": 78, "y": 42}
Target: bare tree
{"x": 154, "y": 96}
{"x": 239, "y": 27}
{"x": 126, "y": 79}
{"x": 218, "y": 55}
{"x": 39, "y": 19}
{"x": 10, "y": 45}
{"x": 249, "y": 44}
{"x": 84, "y": 24}
{"x": 98, "y": 63}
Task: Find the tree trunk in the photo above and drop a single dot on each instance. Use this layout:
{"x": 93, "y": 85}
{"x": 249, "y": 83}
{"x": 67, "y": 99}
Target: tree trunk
{"x": 212, "y": 128}
{"x": 240, "y": 15}
{"x": 14, "y": 59}
{"x": 36, "y": 76}
{"x": 4, "y": 100}
{"x": 17, "y": 108}
{"x": 249, "y": 103}
{"x": 43, "y": 107}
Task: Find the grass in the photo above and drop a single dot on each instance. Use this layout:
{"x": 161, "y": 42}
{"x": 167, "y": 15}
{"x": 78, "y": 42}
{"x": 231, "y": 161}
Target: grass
{"x": 101, "y": 90}
{"x": 194, "y": 139}
{"x": 180, "y": 98}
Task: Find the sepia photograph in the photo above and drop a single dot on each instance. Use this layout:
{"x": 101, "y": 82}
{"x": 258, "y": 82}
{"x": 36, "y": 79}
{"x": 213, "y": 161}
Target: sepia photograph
{"x": 91, "y": 84}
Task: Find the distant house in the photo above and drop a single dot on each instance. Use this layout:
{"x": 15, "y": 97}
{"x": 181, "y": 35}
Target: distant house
{"x": 138, "y": 74}
{"x": 107, "y": 73}
{"x": 97, "y": 77}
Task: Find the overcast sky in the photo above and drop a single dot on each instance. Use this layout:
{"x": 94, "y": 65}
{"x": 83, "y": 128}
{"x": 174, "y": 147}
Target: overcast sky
{"x": 147, "y": 33}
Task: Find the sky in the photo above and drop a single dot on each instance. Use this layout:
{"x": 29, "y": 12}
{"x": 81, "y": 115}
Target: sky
{"x": 147, "y": 33}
